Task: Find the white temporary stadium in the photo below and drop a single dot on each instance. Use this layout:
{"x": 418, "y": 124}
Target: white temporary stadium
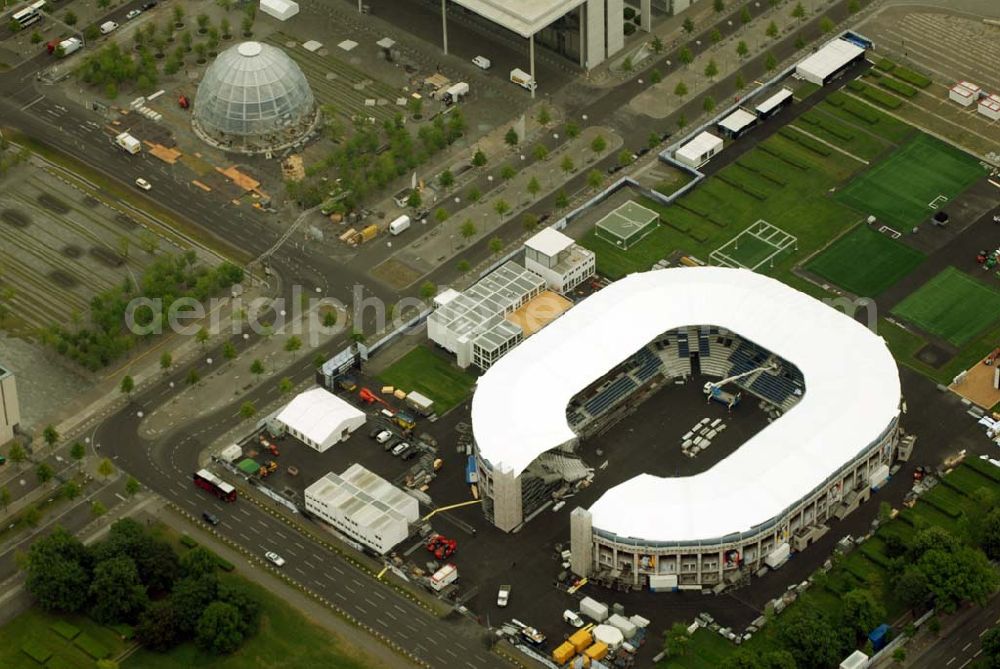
{"x": 832, "y": 384}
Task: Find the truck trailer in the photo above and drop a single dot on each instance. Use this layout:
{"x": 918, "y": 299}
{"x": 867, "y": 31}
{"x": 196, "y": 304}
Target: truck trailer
{"x": 522, "y": 79}
{"x": 455, "y": 93}
{"x": 68, "y": 46}
{"x": 128, "y": 143}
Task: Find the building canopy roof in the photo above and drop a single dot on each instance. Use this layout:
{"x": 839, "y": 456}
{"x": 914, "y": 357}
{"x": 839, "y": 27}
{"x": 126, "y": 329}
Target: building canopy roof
{"x": 852, "y": 395}
{"x": 549, "y": 242}
{"x": 318, "y": 414}
{"x": 699, "y": 146}
{"x": 835, "y": 55}
{"x": 525, "y": 17}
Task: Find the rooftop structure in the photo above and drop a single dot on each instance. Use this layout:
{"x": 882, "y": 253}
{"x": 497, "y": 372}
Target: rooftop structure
{"x": 774, "y": 102}
{"x": 737, "y": 123}
{"x": 699, "y": 150}
{"x": 826, "y": 63}
{"x": 559, "y": 260}
{"x": 320, "y": 419}
{"x": 253, "y": 98}
{"x": 364, "y": 506}
{"x": 851, "y": 400}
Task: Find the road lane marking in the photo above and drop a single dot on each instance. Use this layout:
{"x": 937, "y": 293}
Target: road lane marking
{"x": 378, "y": 594}
{"x": 949, "y": 661}
{"x": 33, "y": 102}
{"x": 451, "y": 652}
{"x": 361, "y": 608}
{"x": 966, "y": 646}
{"x": 311, "y": 565}
{"x": 341, "y": 595}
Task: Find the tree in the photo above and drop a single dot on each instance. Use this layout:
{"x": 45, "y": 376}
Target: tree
{"x": 5, "y": 498}
{"x": 127, "y": 385}
{"x": 529, "y": 222}
{"x": 248, "y": 410}
{"x": 959, "y": 576}
{"x": 428, "y": 290}
{"x": 463, "y": 266}
{"x": 97, "y": 508}
{"x": 825, "y": 25}
{"x": 711, "y": 69}
{"x": 245, "y": 602}
{"x": 501, "y": 207}
{"x": 861, "y": 612}
{"x": 715, "y": 36}
{"x": 770, "y": 62}
{"x": 748, "y": 659}
{"x": 572, "y": 129}
{"x": 246, "y": 25}
{"x": 627, "y": 65}
{"x": 800, "y": 43}
{"x": 745, "y": 17}
{"x": 479, "y": 159}
{"x": 36, "y": 37}
{"x": 257, "y": 368}
{"x": 899, "y": 656}
{"x": 742, "y": 49}
{"x": 740, "y": 81}
{"x": 105, "y": 469}
{"x": 507, "y": 172}
{"x": 798, "y": 12}
{"x": 989, "y": 534}
{"x": 58, "y": 572}
{"x": 598, "y": 144}
{"x": 854, "y": 6}
{"x": 595, "y": 178}
{"x": 811, "y": 638}
{"x": 540, "y": 152}
{"x": 69, "y": 18}
{"x": 190, "y": 597}
{"x": 178, "y": 16}
{"x": 132, "y": 486}
{"x": 293, "y": 344}
{"x": 681, "y": 89}
{"x": 676, "y": 640}
{"x": 544, "y": 117}
{"x": 118, "y": 594}
{"x": 166, "y": 360}
{"x": 50, "y": 435}
{"x": 285, "y": 386}
{"x": 533, "y": 186}
{"x": 685, "y": 56}
{"x": 197, "y": 562}
{"x": 511, "y": 137}
{"x": 226, "y": 28}
{"x": 990, "y": 642}
{"x": 562, "y": 199}
{"x": 718, "y": 5}
{"x": 228, "y": 351}
{"x": 218, "y": 629}
{"x": 77, "y": 451}
{"x": 912, "y": 588}
{"x": 709, "y": 104}
{"x": 70, "y": 490}
{"x": 90, "y": 33}
{"x": 657, "y": 44}
{"x": 202, "y": 20}
{"x": 468, "y": 229}
{"x": 625, "y": 157}
{"x": 44, "y": 473}
{"x": 159, "y": 628}
{"x": 496, "y": 246}
{"x": 193, "y": 376}
{"x": 17, "y": 454}
{"x": 446, "y": 179}
{"x": 772, "y": 30}
{"x": 567, "y": 165}
{"x": 415, "y": 106}
{"x": 655, "y": 76}
{"x": 688, "y": 25}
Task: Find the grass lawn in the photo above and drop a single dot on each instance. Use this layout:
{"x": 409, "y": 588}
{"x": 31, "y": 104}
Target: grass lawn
{"x": 34, "y": 630}
{"x": 953, "y": 306}
{"x": 286, "y": 640}
{"x": 863, "y": 115}
{"x": 430, "y": 375}
{"x": 898, "y": 190}
{"x": 865, "y": 262}
{"x": 707, "y": 650}
{"x": 851, "y": 138}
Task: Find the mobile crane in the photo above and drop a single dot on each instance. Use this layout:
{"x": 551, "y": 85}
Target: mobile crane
{"x": 714, "y": 391}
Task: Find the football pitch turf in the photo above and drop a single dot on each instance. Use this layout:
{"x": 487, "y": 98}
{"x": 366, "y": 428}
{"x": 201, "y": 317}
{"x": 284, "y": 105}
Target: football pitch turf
{"x": 952, "y": 305}
{"x": 899, "y": 190}
{"x": 865, "y": 262}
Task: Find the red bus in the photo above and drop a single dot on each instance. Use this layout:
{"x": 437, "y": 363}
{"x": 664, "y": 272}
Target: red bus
{"x": 208, "y": 481}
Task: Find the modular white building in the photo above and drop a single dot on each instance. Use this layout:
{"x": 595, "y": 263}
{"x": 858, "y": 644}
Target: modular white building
{"x": 319, "y": 419}
{"x": 473, "y": 325}
{"x": 824, "y": 65}
{"x": 989, "y": 107}
{"x": 838, "y": 393}
{"x": 10, "y": 410}
{"x": 964, "y": 93}
{"x": 737, "y": 123}
{"x": 559, "y": 260}
{"x": 279, "y": 9}
{"x": 699, "y": 150}
{"x": 774, "y": 103}
{"x": 363, "y": 506}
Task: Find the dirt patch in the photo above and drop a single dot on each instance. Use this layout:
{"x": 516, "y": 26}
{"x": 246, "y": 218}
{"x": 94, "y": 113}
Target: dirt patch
{"x": 53, "y": 204}
{"x": 63, "y": 279}
{"x": 933, "y": 355}
{"x": 16, "y": 218}
{"x": 106, "y": 256}
{"x": 395, "y": 273}
{"x": 72, "y": 251}
{"x": 126, "y": 221}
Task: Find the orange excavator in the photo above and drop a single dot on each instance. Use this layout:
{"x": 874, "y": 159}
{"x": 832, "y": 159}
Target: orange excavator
{"x": 369, "y": 397}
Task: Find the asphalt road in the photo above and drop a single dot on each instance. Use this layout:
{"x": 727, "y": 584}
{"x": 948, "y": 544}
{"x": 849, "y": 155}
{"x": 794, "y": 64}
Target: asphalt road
{"x": 961, "y": 644}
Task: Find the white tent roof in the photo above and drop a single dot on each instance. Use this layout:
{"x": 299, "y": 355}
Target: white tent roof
{"x": 738, "y": 120}
{"x": 318, "y": 414}
{"x": 773, "y": 101}
{"x": 829, "y": 59}
{"x": 699, "y": 146}
{"x": 852, "y": 393}
{"x": 525, "y": 17}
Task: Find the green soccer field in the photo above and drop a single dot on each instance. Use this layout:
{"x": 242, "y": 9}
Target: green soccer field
{"x": 952, "y": 305}
{"x": 865, "y": 262}
{"x": 899, "y": 190}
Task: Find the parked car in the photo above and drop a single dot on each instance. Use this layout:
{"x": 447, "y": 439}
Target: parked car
{"x": 3, "y": 460}
{"x": 376, "y": 431}
{"x": 210, "y": 518}
{"x": 482, "y": 62}
{"x": 412, "y": 453}
{"x": 573, "y": 618}
{"x": 149, "y": 5}
{"x": 400, "y": 447}
{"x": 132, "y": 14}
{"x": 383, "y": 436}
{"x": 503, "y": 596}
{"x": 275, "y": 559}
{"x": 143, "y": 184}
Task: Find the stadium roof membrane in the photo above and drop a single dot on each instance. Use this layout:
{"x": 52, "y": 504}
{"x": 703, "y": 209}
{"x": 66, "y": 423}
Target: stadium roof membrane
{"x": 852, "y": 395}
{"x": 525, "y": 17}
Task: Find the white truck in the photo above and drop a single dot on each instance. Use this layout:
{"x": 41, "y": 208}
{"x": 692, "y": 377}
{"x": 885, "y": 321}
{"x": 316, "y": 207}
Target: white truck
{"x": 455, "y": 93}
{"x": 399, "y": 225}
{"x": 108, "y": 27}
{"x": 68, "y": 46}
{"x": 443, "y": 577}
{"x": 128, "y": 143}
{"x": 522, "y": 79}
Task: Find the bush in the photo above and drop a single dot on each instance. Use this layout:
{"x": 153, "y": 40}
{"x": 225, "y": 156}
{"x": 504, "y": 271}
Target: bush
{"x": 911, "y": 77}
{"x": 629, "y": 13}
{"x": 856, "y": 85}
{"x": 188, "y": 542}
{"x": 885, "y": 65}
{"x": 805, "y": 141}
{"x": 225, "y": 565}
{"x": 857, "y": 109}
{"x": 898, "y": 87}
{"x": 630, "y": 28}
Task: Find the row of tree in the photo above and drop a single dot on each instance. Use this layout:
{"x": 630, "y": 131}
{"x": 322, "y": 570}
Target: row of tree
{"x": 135, "y": 578}
{"x": 107, "y": 336}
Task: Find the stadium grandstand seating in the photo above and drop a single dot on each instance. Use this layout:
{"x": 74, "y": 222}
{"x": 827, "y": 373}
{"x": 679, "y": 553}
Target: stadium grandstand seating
{"x": 605, "y": 399}
{"x": 682, "y": 345}
{"x": 648, "y": 365}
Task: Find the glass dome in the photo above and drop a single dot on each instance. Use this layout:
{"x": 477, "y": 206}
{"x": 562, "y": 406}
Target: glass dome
{"x": 252, "y": 90}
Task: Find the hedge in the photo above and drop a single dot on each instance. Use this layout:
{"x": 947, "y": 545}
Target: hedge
{"x": 92, "y": 646}
{"x": 749, "y": 190}
{"x": 882, "y": 98}
{"x": 37, "y": 651}
{"x": 885, "y": 65}
{"x": 188, "y": 541}
{"x": 224, "y": 565}
{"x": 805, "y": 141}
{"x": 898, "y": 87}
{"x": 856, "y": 85}
{"x": 778, "y": 153}
{"x": 855, "y": 108}
{"x": 911, "y": 77}
{"x": 65, "y": 630}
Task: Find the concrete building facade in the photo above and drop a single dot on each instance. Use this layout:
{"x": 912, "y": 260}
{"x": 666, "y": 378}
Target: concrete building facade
{"x": 10, "y": 411}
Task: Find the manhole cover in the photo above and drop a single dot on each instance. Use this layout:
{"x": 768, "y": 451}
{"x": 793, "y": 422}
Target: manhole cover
{"x": 62, "y": 279}
{"x": 53, "y": 203}
{"x": 16, "y": 218}
{"x": 72, "y": 251}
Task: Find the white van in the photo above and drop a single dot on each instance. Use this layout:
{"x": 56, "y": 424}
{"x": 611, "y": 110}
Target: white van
{"x": 108, "y": 26}
{"x": 399, "y": 225}
{"x": 482, "y": 62}
{"x": 573, "y": 618}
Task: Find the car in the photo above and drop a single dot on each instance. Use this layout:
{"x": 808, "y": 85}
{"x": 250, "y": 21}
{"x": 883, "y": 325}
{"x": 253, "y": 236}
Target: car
{"x": 376, "y": 431}
{"x": 482, "y": 62}
{"x": 503, "y": 596}
{"x": 400, "y": 447}
{"x": 149, "y": 5}
{"x": 412, "y": 453}
{"x": 210, "y": 518}
{"x": 275, "y": 559}
{"x": 573, "y": 618}
{"x": 383, "y": 436}
{"x": 132, "y": 14}
{"x": 3, "y": 460}
{"x": 143, "y": 184}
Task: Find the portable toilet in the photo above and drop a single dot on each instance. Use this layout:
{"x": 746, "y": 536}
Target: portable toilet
{"x": 581, "y": 639}
{"x": 563, "y": 653}
{"x": 597, "y": 651}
